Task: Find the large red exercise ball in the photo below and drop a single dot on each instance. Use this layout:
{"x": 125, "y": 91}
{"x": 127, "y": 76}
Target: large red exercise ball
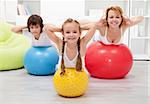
{"x": 41, "y": 60}
{"x": 108, "y": 61}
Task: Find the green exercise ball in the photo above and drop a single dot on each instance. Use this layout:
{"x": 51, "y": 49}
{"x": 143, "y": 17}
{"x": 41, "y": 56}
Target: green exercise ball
{"x": 5, "y": 31}
{"x": 12, "y": 48}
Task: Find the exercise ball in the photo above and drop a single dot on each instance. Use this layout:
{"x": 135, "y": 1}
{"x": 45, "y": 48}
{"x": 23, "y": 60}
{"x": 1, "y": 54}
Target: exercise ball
{"x": 72, "y": 83}
{"x": 12, "y": 48}
{"x": 5, "y": 31}
{"x": 41, "y": 60}
{"x": 108, "y": 61}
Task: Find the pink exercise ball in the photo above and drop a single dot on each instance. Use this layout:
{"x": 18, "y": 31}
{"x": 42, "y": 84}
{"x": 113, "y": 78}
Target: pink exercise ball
{"x": 108, "y": 61}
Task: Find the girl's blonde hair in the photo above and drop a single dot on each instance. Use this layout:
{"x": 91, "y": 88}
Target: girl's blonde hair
{"x": 70, "y": 20}
{"x": 117, "y": 9}
{"x": 79, "y": 61}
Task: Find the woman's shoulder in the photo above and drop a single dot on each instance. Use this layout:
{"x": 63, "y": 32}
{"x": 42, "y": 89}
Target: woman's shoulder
{"x": 123, "y": 28}
{"x": 102, "y": 30}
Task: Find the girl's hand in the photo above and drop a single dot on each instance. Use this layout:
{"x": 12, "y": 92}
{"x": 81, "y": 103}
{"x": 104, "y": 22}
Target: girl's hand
{"x": 62, "y": 73}
{"x": 78, "y": 70}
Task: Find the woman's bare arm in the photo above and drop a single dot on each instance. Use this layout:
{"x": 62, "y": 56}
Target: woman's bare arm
{"x": 133, "y": 21}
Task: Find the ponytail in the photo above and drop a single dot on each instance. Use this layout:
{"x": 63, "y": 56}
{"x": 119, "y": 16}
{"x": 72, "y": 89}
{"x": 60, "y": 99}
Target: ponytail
{"x": 62, "y": 60}
{"x": 79, "y": 60}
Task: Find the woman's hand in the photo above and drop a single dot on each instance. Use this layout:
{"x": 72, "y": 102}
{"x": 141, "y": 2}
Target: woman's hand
{"x": 127, "y": 20}
{"x": 101, "y": 23}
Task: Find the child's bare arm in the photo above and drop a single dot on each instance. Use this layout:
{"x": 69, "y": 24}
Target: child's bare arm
{"x": 87, "y": 24}
{"x": 50, "y": 29}
{"x": 89, "y": 34}
{"x": 92, "y": 28}
{"x": 18, "y": 29}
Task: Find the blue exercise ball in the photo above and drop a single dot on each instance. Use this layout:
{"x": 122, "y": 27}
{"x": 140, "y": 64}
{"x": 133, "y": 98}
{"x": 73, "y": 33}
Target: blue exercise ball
{"x": 41, "y": 60}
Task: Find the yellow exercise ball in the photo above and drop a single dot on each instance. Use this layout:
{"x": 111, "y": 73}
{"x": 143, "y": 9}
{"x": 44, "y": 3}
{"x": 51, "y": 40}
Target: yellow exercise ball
{"x": 72, "y": 84}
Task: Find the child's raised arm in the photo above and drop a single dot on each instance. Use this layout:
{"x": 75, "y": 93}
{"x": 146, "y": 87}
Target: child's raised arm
{"x": 18, "y": 29}
{"x": 87, "y": 24}
{"x": 89, "y": 34}
{"x": 50, "y": 29}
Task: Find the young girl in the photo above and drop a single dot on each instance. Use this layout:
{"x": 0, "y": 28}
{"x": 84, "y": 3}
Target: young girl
{"x": 72, "y": 47}
{"x": 34, "y": 30}
{"x": 114, "y": 24}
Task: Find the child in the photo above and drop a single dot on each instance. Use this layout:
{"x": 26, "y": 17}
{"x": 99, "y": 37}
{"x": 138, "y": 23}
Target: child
{"x": 71, "y": 47}
{"x": 34, "y": 30}
{"x": 114, "y": 24}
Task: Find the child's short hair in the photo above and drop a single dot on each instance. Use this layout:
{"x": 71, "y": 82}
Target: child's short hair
{"x": 34, "y": 20}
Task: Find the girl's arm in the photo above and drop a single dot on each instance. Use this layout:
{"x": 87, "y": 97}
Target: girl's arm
{"x": 87, "y": 26}
{"x": 89, "y": 34}
{"x": 133, "y": 21}
{"x": 18, "y": 29}
{"x": 100, "y": 24}
{"x": 50, "y": 29}
{"x": 92, "y": 28}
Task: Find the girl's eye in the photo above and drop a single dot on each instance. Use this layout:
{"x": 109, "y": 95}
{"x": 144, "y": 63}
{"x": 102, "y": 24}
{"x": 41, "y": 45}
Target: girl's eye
{"x": 74, "y": 32}
{"x": 111, "y": 17}
{"x": 117, "y": 17}
{"x": 67, "y": 32}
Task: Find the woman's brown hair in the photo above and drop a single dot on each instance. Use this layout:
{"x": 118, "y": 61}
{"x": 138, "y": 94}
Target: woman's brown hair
{"x": 79, "y": 61}
{"x": 34, "y": 20}
{"x": 117, "y": 9}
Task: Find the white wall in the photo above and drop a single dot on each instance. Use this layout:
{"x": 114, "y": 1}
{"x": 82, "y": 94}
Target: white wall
{"x": 2, "y": 10}
{"x": 11, "y": 10}
{"x": 8, "y": 10}
{"x": 56, "y": 11}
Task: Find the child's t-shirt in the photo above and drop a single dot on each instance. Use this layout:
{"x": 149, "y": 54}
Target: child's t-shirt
{"x": 43, "y": 40}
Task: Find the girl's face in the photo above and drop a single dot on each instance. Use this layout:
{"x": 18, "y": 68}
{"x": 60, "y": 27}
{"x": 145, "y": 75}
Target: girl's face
{"x": 71, "y": 32}
{"x": 114, "y": 19}
{"x": 35, "y": 29}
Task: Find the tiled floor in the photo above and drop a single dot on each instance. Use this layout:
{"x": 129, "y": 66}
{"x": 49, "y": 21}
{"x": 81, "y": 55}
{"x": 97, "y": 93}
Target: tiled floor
{"x": 18, "y": 87}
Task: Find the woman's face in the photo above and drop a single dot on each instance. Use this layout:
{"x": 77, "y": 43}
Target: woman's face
{"x": 35, "y": 29}
{"x": 114, "y": 19}
{"x": 71, "y": 32}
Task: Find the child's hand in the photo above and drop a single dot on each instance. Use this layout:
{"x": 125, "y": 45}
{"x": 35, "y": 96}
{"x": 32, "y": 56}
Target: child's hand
{"x": 78, "y": 70}
{"x": 62, "y": 73}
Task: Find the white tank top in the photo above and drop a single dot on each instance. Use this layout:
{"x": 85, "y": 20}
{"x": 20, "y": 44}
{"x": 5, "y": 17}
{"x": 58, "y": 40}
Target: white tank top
{"x": 68, "y": 63}
{"x": 105, "y": 40}
{"x": 43, "y": 40}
